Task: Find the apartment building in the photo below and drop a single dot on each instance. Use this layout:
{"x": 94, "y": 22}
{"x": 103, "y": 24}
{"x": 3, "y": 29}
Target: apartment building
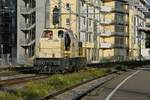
{"x": 7, "y": 32}
{"x": 114, "y": 30}
{"x": 108, "y": 29}
{"x": 30, "y": 22}
{"x": 89, "y": 28}
{"x": 124, "y": 31}
{"x": 137, "y": 27}
{"x": 146, "y": 51}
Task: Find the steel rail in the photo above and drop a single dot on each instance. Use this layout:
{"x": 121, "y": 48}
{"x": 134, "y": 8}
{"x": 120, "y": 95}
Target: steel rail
{"x": 21, "y": 80}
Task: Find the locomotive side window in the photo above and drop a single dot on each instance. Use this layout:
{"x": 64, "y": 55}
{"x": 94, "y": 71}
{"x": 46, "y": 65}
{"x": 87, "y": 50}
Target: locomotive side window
{"x": 48, "y": 34}
{"x": 60, "y": 34}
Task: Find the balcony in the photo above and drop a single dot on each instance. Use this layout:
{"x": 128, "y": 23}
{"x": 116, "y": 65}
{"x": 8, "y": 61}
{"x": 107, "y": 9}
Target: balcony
{"x": 89, "y": 1}
{"x": 120, "y": 46}
{"x": 26, "y": 26}
{"x": 112, "y": 21}
{"x": 88, "y": 44}
{"x": 27, "y": 42}
{"x": 106, "y": 45}
{"x": 145, "y": 29}
{"x": 123, "y": 10}
{"x": 83, "y": 12}
{"x": 121, "y": 33}
{"x": 90, "y": 29}
{"x": 26, "y": 11}
{"x": 83, "y": 28}
{"x": 141, "y": 6}
{"x": 105, "y": 34}
{"x": 106, "y": 9}
{"x": 107, "y": 21}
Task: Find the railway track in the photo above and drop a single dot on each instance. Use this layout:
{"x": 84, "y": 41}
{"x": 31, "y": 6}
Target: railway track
{"x": 13, "y": 81}
{"x": 56, "y": 94}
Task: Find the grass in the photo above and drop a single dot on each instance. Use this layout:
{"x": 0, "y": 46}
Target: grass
{"x": 9, "y": 96}
{"x": 35, "y": 90}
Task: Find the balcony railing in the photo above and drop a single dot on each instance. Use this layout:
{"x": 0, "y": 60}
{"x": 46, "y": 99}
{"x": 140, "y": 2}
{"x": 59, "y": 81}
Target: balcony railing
{"x": 120, "y": 45}
{"x": 83, "y": 12}
{"x": 121, "y": 33}
{"x": 107, "y": 21}
{"x": 141, "y": 6}
{"x": 88, "y": 44}
{"x": 90, "y": 29}
{"x": 106, "y": 45}
{"x": 83, "y": 28}
{"x": 110, "y": 45}
{"x": 124, "y": 10}
{"x": 25, "y": 10}
{"x": 106, "y": 34}
{"x": 27, "y": 42}
{"x": 26, "y": 26}
{"x": 106, "y": 9}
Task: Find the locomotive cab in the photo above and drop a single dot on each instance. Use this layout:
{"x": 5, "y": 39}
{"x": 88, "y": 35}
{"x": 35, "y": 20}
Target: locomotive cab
{"x": 58, "y": 48}
{"x": 58, "y": 43}
{"x": 58, "y": 52}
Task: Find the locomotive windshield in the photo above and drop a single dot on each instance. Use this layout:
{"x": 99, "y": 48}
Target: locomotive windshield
{"x": 60, "y": 33}
{"x": 48, "y": 34}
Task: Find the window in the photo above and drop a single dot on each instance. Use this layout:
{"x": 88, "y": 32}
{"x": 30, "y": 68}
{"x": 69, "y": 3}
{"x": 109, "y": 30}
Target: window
{"x": 84, "y": 21}
{"x": 120, "y": 18}
{"x": 68, "y": 6}
{"x": 83, "y": 37}
{"x": 119, "y": 6}
{"x": 26, "y": 51}
{"x": 60, "y": 34}
{"x": 90, "y": 22}
{"x": 68, "y": 21}
{"x": 82, "y": 3}
{"x": 119, "y": 40}
{"x": 120, "y": 28}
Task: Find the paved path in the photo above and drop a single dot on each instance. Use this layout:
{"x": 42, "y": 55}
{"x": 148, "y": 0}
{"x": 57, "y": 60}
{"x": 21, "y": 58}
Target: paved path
{"x": 133, "y": 85}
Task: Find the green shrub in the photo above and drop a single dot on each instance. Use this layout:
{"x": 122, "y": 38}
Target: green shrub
{"x": 121, "y": 67}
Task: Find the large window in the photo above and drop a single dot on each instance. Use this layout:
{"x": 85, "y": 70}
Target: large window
{"x": 120, "y": 18}
{"x": 120, "y": 28}
{"x": 120, "y": 40}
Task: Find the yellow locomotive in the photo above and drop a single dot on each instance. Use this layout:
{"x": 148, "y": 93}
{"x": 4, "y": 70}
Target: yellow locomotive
{"x": 59, "y": 51}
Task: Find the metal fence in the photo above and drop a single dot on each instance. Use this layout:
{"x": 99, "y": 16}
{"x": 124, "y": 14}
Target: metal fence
{"x": 118, "y": 59}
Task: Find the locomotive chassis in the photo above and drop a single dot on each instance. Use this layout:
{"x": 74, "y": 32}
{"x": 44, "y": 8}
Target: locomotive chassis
{"x": 59, "y": 65}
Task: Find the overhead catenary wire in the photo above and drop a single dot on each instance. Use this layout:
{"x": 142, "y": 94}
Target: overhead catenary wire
{"x": 74, "y": 13}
